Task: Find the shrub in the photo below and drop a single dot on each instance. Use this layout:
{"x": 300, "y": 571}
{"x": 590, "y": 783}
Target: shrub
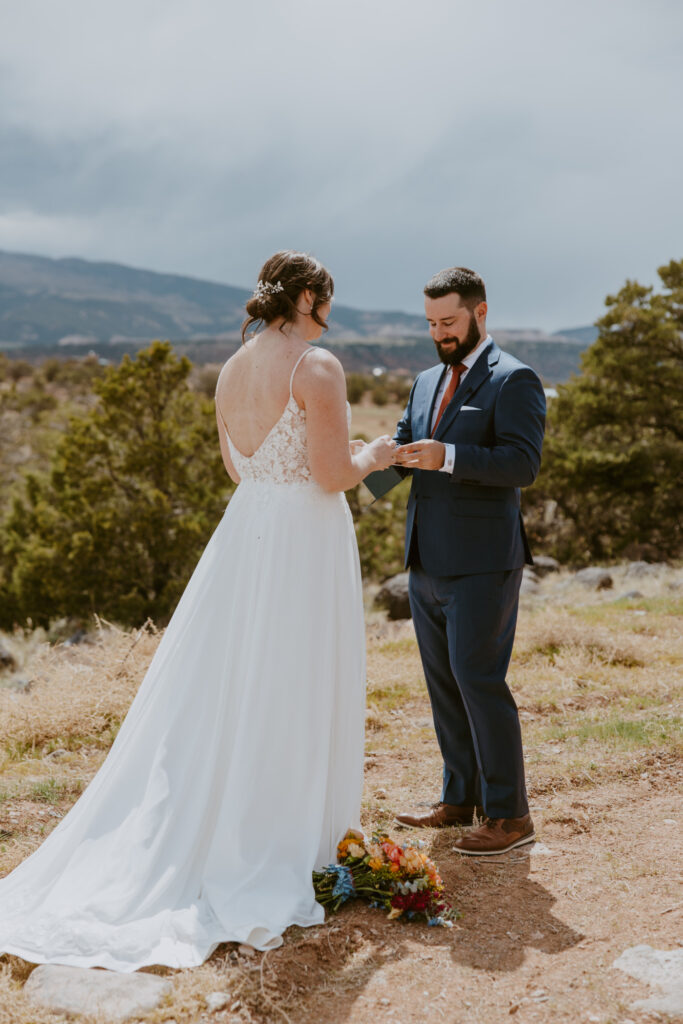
{"x": 613, "y": 456}
{"x": 135, "y": 487}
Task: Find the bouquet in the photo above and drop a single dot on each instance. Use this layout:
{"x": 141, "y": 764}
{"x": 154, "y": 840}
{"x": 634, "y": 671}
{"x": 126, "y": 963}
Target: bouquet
{"x": 399, "y": 878}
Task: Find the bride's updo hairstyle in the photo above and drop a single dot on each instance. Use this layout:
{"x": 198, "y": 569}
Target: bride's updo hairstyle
{"x": 280, "y": 283}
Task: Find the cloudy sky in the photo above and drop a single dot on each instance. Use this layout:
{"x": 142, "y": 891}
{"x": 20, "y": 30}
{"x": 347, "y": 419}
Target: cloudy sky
{"x": 539, "y": 142}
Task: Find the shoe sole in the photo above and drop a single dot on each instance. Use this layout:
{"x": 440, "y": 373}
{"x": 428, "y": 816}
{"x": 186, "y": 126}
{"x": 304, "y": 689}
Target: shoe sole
{"x": 453, "y": 824}
{"x": 496, "y": 853}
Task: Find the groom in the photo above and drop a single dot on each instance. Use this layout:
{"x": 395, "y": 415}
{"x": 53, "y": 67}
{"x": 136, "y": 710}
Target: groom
{"x": 471, "y": 435}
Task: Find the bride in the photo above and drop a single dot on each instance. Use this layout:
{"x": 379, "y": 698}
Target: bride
{"x": 239, "y": 765}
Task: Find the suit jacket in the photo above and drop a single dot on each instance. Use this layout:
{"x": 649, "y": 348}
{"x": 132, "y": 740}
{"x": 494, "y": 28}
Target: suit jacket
{"x": 469, "y": 521}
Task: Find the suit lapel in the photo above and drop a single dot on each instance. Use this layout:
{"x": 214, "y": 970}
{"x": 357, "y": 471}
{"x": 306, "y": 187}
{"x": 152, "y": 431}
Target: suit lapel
{"x": 424, "y": 427}
{"x": 481, "y": 371}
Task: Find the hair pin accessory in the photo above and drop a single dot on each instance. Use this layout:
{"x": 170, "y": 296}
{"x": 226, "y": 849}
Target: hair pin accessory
{"x": 264, "y": 288}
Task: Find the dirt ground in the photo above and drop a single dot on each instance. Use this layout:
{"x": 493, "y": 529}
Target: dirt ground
{"x": 539, "y": 930}
{"x": 597, "y": 680}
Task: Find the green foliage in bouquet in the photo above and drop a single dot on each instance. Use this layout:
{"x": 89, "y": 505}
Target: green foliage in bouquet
{"x": 613, "y": 455}
{"x": 135, "y": 487}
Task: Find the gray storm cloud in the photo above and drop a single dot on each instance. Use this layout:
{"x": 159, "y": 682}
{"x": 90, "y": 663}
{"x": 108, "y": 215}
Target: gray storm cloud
{"x": 536, "y": 142}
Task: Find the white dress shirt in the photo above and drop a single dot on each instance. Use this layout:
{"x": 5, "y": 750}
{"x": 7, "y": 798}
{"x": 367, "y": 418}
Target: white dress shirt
{"x": 468, "y": 361}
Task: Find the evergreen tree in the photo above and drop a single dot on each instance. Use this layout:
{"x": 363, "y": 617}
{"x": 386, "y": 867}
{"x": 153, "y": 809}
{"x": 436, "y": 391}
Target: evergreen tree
{"x": 613, "y": 457}
{"x": 135, "y": 489}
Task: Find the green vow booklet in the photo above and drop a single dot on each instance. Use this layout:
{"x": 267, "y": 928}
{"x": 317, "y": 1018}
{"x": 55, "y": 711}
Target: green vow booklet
{"x": 382, "y": 481}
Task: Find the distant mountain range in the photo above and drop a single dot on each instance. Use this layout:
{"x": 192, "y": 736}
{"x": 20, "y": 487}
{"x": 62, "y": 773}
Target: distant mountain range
{"x": 71, "y": 304}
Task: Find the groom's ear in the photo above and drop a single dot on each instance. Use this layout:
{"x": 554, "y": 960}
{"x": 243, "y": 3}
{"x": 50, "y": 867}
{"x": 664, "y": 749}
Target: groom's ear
{"x": 481, "y": 310}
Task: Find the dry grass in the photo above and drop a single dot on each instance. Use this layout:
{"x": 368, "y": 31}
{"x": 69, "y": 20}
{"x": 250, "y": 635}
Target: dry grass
{"x": 374, "y": 420}
{"x": 598, "y": 685}
{"x": 77, "y": 695}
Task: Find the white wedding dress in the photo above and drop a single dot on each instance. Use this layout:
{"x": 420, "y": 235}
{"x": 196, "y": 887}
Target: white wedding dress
{"x": 239, "y": 765}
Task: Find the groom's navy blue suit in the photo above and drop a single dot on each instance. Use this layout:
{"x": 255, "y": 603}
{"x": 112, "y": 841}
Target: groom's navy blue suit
{"x": 466, "y": 548}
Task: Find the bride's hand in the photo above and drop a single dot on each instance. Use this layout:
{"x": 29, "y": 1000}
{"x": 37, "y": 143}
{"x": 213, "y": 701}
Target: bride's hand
{"x": 383, "y": 452}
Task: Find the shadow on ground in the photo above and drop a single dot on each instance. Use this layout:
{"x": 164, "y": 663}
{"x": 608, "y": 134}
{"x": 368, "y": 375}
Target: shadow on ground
{"x": 342, "y": 970}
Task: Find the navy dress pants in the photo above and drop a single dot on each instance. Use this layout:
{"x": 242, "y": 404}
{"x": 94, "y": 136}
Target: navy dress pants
{"x": 465, "y": 627}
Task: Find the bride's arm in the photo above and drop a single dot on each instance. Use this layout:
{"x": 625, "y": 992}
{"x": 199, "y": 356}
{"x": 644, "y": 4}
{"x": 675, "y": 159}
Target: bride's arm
{"x": 320, "y": 387}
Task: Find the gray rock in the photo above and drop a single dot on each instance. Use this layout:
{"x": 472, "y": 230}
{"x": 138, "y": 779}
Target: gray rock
{"x": 81, "y": 990}
{"x": 594, "y": 578}
{"x": 662, "y": 968}
{"x": 21, "y": 685}
{"x": 544, "y": 564}
{"x": 640, "y": 569}
{"x": 217, "y": 1001}
{"x": 7, "y": 659}
{"x": 529, "y": 586}
{"x": 56, "y": 755}
{"x": 393, "y": 596}
{"x": 630, "y": 595}
{"x": 76, "y": 638}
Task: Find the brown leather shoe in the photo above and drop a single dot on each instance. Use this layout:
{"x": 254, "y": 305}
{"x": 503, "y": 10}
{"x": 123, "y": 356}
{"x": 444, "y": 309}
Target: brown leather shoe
{"x": 496, "y": 835}
{"x": 439, "y": 816}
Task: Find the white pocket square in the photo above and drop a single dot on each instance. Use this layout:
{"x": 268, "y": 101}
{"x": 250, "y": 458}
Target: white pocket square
{"x": 470, "y": 408}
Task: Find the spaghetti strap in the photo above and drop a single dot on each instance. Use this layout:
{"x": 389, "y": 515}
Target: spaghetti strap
{"x": 218, "y": 410}
{"x": 296, "y": 366}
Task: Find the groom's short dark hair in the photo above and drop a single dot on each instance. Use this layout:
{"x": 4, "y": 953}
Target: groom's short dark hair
{"x": 464, "y": 282}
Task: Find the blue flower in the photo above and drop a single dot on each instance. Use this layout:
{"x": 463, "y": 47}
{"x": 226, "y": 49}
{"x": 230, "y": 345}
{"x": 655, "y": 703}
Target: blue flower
{"x": 344, "y": 886}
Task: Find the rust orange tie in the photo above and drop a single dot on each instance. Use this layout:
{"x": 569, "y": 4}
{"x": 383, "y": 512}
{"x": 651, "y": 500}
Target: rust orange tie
{"x": 457, "y": 373}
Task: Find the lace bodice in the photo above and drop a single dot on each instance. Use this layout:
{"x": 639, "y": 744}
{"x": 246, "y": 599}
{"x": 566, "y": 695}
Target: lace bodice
{"x": 282, "y": 457}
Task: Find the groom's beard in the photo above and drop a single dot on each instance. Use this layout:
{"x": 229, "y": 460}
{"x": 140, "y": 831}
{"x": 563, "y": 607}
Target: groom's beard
{"x": 463, "y": 348}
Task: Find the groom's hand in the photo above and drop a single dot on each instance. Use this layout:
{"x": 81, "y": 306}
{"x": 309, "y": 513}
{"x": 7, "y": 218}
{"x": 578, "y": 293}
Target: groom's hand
{"x": 425, "y": 454}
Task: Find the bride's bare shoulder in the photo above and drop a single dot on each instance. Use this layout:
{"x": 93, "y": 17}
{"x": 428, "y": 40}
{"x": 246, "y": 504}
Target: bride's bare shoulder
{"x": 322, "y": 380}
{"x": 320, "y": 365}
{"x": 234, "y": 362}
